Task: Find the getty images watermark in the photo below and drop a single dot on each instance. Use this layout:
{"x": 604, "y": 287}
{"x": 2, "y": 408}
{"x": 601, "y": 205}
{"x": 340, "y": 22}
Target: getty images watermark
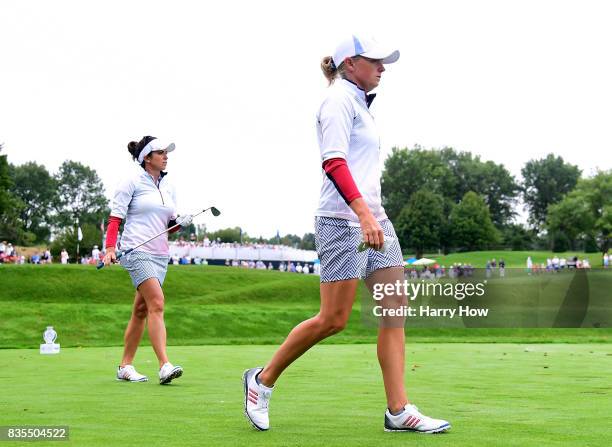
{"x": 571, "y": 298}
{"x": 412, "y": 290}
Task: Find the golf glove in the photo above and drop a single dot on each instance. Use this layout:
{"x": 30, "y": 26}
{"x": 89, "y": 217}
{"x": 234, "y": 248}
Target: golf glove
{"x": 184, "y": 221}
{"x": 384, "y": 249}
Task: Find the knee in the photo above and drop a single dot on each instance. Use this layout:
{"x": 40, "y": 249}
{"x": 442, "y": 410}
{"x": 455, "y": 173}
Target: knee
{"x": 140, "y": 311}
{"x": 155, "y": 306}
{"x": 332, "y": 325}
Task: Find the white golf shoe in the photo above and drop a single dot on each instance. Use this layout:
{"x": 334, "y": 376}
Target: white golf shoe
{"x": 129, "y": 374}
{"x": 411, "y": 419}
{"x": 169, "y": 372}
{"x": 256, "y": 400}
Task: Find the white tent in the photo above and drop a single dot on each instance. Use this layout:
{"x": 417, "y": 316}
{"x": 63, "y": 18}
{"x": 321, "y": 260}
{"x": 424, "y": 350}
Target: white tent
{"x": 424, "y": 261}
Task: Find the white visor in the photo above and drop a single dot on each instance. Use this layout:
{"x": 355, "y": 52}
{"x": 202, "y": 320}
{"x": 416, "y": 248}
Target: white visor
{"x": 155, "y": 145}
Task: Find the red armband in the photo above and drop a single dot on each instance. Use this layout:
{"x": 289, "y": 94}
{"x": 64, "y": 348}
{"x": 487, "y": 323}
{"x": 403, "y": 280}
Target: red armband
{"x": 111, "y": 231}
{"x": 338, "y": 172}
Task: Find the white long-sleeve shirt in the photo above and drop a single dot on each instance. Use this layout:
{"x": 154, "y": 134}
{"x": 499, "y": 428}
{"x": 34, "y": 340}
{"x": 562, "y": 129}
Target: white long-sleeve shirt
{"x": 346, "y": 129}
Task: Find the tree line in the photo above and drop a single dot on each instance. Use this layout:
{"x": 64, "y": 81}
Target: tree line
{"x": 438, "y": 199}
{"x": 37, "y": 207}
{"x": 238, "y": 235}
{"x": 41, "y": 208}
{"x": 443, "y": 199}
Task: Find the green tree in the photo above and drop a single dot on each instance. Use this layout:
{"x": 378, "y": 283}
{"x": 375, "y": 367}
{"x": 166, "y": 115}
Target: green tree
{"x": 517, "y": 237}
{"x": 407, "y": 171}
{"x": 603, "y": 226}
{"x": 421, "y": 222}
{"x": 590, "y": 244}
{"x": 291, "y": 240}
{"x": 37, "y": 191}
{"x": 6, "y": 184}
{"x": 470, "y": 224}
{"x": 67, "y": 239}
{"x": 80, "y": 193}
{"x": 598, "y": 192}
{"x": 567, "y": 220}
{"x": 585, "y": 213}
{"x": 450, "y": 174}
{"x": 10, "y": 207}
{"x": 559, "y": 242}
{"x": 227, "y": 235}
{"x": 545, "y": 182}
{"x": 307, "y": 242}
{"x": 491, "y": 181}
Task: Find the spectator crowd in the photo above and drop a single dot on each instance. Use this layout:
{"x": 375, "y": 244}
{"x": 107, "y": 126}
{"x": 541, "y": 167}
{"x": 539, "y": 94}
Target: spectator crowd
{"x": 556, "y": 264}
{"x": 9, "y": 254}
{"x": 437, "y": 271}
{"x": 206, "y": 242}
{"x": 282, "y": 266}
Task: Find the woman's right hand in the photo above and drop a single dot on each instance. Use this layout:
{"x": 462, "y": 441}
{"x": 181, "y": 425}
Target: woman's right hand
{"x": 110, "y": 257}
{"x": 372, "y": 232}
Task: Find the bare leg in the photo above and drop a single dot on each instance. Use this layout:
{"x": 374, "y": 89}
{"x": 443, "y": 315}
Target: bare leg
{"x": 336, "y": 304}
{"x": 134, "y": 330}
{"x": 154, "y": 298}
{"x": 391, "y": 339}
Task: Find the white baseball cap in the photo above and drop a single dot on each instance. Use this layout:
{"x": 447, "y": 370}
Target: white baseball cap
{"x": 155, "y": 145}
{"x": 366, "y": 47}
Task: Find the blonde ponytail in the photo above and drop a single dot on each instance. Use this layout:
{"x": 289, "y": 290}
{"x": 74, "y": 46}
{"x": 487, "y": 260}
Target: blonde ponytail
{"x": 329, "y": 69}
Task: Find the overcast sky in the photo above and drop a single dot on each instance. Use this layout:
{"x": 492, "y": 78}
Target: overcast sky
{"x": 236, "y": 86}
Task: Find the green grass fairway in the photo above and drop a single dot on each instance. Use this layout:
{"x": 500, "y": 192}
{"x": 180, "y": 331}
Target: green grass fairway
{"x": 207, "y": 305}
{"x": 498, "y": 391}
{"x": 493, "y": 394}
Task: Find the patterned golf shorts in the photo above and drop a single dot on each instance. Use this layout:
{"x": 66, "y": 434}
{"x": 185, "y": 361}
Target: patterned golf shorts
{"x": 337, "y": 242}
{"x": 142, "y": 266}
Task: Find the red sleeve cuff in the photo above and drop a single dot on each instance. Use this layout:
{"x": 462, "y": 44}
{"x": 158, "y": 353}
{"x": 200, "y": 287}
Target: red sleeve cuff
{"x": 111, "y": 231}
{"x": 338, "y": 172}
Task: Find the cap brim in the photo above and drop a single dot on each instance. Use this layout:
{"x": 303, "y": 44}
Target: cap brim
{"x": 387, "y": 57}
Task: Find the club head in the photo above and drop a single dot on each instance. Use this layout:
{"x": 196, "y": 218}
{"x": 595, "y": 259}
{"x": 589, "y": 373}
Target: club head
{"x": 215, "y": 212}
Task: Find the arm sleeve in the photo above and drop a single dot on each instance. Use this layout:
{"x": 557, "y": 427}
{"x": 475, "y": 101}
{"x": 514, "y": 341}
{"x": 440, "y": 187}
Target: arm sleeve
{"x": 122, "y": 198}
{"x": 335, "y": 118}
{"x": 111, "y": 231}
{"x": 338, "y": 172}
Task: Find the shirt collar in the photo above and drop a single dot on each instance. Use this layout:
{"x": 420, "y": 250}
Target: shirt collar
{"x": 162, "y": 174}
{"x": 368, "y": 98}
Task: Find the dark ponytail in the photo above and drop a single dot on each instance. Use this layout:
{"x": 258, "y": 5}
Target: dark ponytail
{"x": 134, "y": 148}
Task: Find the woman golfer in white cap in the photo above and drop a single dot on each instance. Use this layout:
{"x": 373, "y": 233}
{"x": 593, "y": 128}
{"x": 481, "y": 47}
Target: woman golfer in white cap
{"x": 349, "y": 213}
{"x": 147, "y": 203}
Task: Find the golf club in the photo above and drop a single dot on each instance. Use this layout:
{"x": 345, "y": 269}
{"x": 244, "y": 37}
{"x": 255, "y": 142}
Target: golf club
{"x": 215, "y": 212}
